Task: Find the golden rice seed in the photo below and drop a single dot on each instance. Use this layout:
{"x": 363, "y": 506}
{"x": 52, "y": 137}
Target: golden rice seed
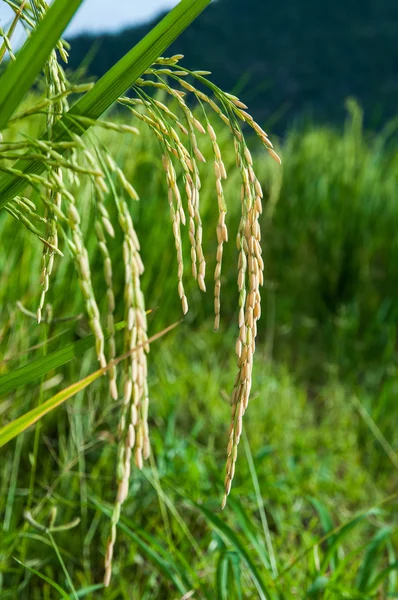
{"x": 199, "y": 126}
{"x": 241, "y": 279}
{"x": 127, "y": 392}
{"x": 251, "y": 299}
{"x": 199, "y": 155}
{"x": 220, "y": 236}
{"x": 217, "y": 271}
{"x": 258, "y": 205}
{"x": 201, "y": 282}
{"x": 184, "y": 304}
{"x": 238, "y": 348}
{"x": 248, "y": 156}
{"x": 253, "y": 282}
{"x": 228, "y": 484}
{"x": 138, "y": 458}
{"x": 222, "y": 169}
{"x": 211, "y": 132}
{"x": 108, "y": 227}
{"x": 274, "y": 155}
{"x": 134, "y": 414}
{"x": 241, "y": 319}
{"x": 217, "y": 322}
{"x": 224, "y": 229}
{"x": 131, "y": 435}
{"x": 146, "y": 448}
{"x": 243, "y": 333}
{"x": 258, "y": 188}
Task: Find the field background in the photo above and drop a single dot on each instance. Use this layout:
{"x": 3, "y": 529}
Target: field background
{"x": 312, "y": 512}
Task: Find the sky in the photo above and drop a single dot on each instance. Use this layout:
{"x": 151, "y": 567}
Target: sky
{"x": 105, "y": 15}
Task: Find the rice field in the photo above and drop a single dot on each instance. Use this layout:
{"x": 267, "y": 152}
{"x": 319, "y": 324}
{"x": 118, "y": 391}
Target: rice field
{"x": 120, "y": 489}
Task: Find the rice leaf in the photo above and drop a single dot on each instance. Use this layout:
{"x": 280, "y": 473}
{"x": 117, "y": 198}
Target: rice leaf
{"x": 20, "y": 74}
{"x": 13, "y": 429}
{"x": 108, "y": 89}
{"x": 41, "y": 366}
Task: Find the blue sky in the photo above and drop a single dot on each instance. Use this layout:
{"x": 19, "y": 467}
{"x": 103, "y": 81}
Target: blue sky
{"x": 106, "y": 15}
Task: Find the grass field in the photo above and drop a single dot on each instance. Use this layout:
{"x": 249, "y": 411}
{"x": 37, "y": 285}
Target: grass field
{"x": 312, "y": 512}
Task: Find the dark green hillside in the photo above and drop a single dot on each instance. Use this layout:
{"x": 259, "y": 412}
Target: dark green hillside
{"x": 295, "y": 58}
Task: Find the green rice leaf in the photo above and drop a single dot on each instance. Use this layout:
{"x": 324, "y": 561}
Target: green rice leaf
{"x": 20, "y": 74}
{"x": 108, "y": 89}
{"x": 13, "y": 429}
{"x": 41, "y": 366}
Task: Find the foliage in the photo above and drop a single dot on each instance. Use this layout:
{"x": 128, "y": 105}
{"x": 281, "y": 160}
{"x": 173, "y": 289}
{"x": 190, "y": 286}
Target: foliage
{"x": 312, "y": 513}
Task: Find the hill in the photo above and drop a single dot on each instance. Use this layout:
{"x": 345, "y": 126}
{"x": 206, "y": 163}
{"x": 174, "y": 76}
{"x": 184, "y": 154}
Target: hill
{"x": 289, "y": 59}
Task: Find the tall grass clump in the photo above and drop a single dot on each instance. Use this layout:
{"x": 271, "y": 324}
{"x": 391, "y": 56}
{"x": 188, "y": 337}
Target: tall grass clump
{"x": 65, "y": 171}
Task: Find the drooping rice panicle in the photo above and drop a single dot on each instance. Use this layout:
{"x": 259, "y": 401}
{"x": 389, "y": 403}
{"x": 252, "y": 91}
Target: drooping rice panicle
{"x": 133, "y": 425}
{"x": 56, "y": 87}
{"x": 110, "y": 322}
{"x": 177, "y": 132}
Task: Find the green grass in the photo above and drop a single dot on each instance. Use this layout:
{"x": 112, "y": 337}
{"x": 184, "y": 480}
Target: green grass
{"x": 311, "y": 462}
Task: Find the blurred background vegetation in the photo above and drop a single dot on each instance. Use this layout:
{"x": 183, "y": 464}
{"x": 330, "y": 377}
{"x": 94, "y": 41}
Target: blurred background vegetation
{"x": 312, "y": 513}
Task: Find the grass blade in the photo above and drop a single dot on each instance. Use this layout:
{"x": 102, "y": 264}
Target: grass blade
{"x": 342, "y": 533}
{"x": 166, "y": 567}
{"x": 222, "y": 576}
{"x": 108, "y": 89}
{"x": 20, "y": 75}
{"x": 372, "y": 554}
{"x": 250, "y": 532}
{"x": 326, "y": 521}
{"x": 89, "y": 590}
{"x": 46, "y": 579}
{"x": 227, "y": 533}
{"x": 382, "y": 576}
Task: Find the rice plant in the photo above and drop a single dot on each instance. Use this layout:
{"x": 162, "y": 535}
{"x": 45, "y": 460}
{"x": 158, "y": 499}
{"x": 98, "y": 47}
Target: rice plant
{"x": 68, "y": 166}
